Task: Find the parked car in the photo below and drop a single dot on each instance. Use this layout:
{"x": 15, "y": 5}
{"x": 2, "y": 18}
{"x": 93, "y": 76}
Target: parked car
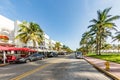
{"x": 30, "y": 58}
{"x": 52, "y": 54}
{"x": 11, "y": 58}
{"x": 79, "y": 55}
{"x": 62, "y": 53}
{"x": 39, "y": 56}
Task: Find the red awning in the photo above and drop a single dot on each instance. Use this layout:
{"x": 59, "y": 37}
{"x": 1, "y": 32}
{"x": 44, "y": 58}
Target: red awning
{"x": 24, "y": 49}
{"x": 31, "y": 50}
{"x": 13, "y": 49}
{"x": 2, "y": 48}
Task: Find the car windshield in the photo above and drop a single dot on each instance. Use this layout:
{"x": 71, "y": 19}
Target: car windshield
{"x": 79, "y": 53}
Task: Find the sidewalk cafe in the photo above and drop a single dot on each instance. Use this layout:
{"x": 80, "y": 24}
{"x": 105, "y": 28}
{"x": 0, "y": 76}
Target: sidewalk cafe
{"x": 8, "y": 54}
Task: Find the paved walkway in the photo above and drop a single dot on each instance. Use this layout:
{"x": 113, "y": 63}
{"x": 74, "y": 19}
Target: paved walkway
{"x": 114, "y": 67}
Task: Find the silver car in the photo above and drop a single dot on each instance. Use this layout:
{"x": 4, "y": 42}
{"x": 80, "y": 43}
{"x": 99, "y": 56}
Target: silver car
{"x": 79, "y": 55}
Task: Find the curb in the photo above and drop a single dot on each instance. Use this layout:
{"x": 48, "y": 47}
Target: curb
{"x": 104, "y": 71}
{"x": 1, "y": 65}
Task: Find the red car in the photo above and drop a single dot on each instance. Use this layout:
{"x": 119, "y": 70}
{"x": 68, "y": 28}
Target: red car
{"x": 11, "y": 58}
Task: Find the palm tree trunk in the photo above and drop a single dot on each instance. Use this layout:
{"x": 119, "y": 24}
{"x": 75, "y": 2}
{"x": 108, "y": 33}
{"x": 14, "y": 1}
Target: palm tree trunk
{"x": 100, "y": 39}
{"x": 34, "y": 44}
{"x": 100, "y": 47}
{"x": 97, "y": 45}
{"x": 118, "y": 46}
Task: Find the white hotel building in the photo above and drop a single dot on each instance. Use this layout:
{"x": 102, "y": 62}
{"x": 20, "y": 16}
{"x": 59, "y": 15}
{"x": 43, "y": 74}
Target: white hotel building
{"x": 10, "y": 28}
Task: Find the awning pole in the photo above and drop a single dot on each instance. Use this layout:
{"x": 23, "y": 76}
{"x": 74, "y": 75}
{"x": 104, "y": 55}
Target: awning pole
{"x": 4, "y": 57}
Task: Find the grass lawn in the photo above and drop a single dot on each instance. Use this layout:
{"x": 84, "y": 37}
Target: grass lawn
{"x": 113, "y": 57}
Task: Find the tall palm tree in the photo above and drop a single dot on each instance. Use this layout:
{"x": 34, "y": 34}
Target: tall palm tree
{"x": 66, "y": 48}
{"x": 30, "y": 32}
{"x": 57, "y": 46}
{"x": 102, "y": 25}
{"x": 117, "y": 38}
{"x": 106, "y": 46}
{"x": 85, "y": 38}
{"x": 87, "y": 41}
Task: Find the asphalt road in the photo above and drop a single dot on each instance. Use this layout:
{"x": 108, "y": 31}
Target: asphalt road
{"x": 60, "y": 68}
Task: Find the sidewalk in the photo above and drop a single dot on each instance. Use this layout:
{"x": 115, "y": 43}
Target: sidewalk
{"x": 1, "y": 65}
{"x": 98, "y": 63}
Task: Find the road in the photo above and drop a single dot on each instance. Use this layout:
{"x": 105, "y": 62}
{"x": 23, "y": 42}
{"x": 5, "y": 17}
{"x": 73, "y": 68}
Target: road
{"x": 60, "y": 68}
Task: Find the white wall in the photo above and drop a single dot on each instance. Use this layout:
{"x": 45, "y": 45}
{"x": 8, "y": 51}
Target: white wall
{"x": 17, "y": 41}
{"x": 7, "y": 28}
{"x": 10, "y": 28}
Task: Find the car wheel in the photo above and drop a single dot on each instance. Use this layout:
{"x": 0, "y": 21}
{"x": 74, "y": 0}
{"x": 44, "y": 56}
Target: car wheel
{"x": 27, "y": 61}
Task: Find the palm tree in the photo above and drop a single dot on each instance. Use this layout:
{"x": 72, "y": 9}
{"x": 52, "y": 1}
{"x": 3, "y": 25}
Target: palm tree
{"x": 66, "y": 48}
{"x": 57, "y": 46}
{"x": 106, "y": 46}
{"x": 84, "y": 39}
{"x": 87, "y": 42}
{"x": 30, "y": 32}
{"x": 102, "y": 26}
{"x": 117, "y": 37}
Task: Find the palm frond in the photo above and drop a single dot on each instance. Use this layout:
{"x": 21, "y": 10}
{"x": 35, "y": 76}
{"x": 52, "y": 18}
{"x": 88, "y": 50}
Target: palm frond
{"x": 109, "y": 16}
{"x": 112, "y": 18}
{"x": 93, "y": 25}
{"x": 94, "y": 21}
{"x": 118, "y": 32}
{"x": 99, "y": 14}
{"x": 117, "y": 37}
{"x": 107, "y": 10}
{"x": 109, "y": 25}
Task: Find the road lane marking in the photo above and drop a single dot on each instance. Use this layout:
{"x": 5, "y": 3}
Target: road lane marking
{"x": 30, "y": 72}
{"x": 19, "y": 77}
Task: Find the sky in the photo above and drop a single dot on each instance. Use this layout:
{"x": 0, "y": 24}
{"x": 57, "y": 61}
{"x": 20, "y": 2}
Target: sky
{"x": 62, "y": 20}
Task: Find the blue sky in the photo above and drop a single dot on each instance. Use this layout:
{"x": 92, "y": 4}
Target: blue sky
{"x": 62, "y": 20}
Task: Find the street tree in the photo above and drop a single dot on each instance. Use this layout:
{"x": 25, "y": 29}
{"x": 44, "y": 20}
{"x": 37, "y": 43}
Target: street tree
{"x": 102, "y": 26}
{"x": 87, "y": 42}
{"x": 57, "y": 46}
{"x": 30, "y": 31}
{"x": 66, "y": 49}
{"x": 117, "y": 38}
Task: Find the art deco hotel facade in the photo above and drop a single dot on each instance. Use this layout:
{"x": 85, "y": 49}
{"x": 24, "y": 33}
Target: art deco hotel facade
{"x": 9, "y": 28}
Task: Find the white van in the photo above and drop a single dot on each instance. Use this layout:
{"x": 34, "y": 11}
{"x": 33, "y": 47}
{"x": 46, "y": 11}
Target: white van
{"x": 79, "y": 55}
